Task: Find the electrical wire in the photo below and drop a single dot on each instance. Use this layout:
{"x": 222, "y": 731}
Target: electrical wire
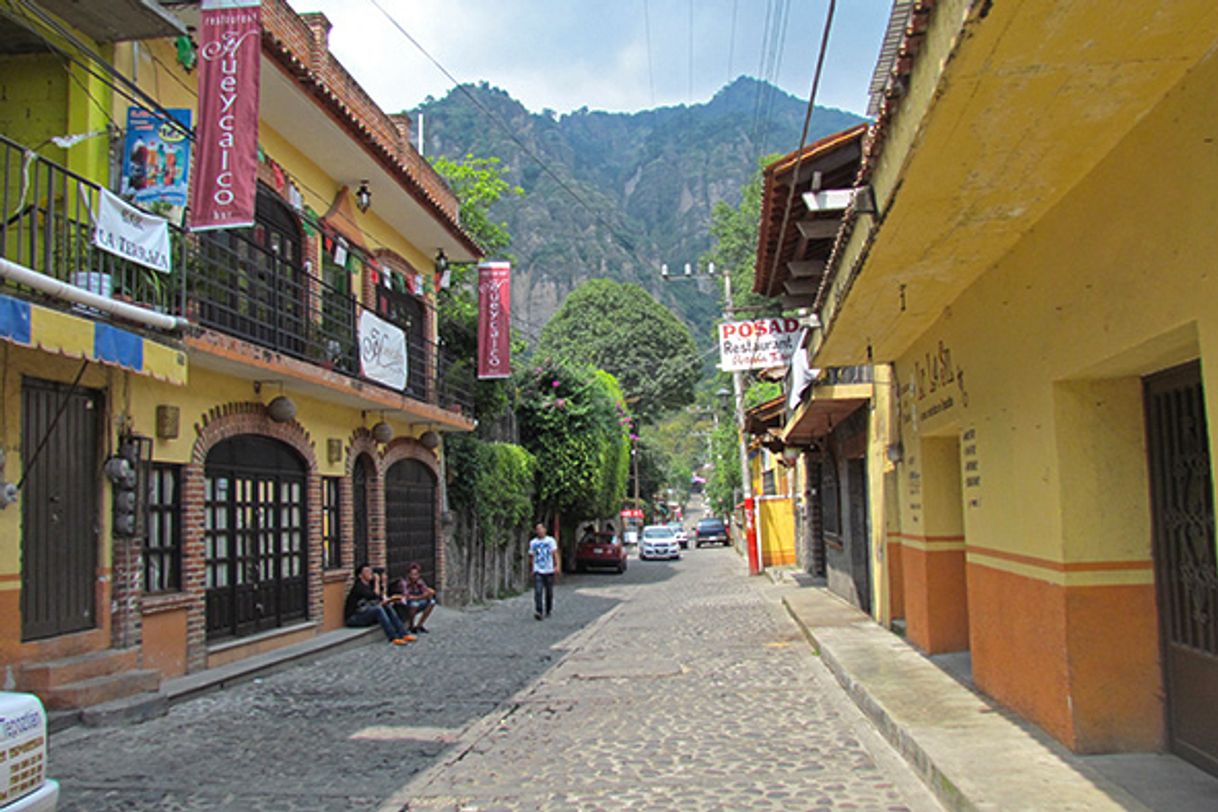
{"x": 803, "y": 138}
{"x": 780, "y": 44}
{"x": 651, "y": 79}
{"x": 498, "y": 121}
{"x": 731, "y": 43}
{"x": 691, "y": 52}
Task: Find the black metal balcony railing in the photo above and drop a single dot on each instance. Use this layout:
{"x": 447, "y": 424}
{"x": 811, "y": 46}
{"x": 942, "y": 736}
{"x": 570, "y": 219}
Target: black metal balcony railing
{"x": 223, "y": 281}
{"x": 844, "y": 375}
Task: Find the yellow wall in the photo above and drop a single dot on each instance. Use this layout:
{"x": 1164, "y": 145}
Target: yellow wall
{"x": 1035, "y": 374}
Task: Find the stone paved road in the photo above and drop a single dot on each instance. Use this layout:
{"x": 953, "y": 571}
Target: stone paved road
{"x": 680, "y": 685}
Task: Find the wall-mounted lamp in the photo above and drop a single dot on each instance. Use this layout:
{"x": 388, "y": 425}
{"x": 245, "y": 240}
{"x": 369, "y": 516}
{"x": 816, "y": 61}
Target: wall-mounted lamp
{"x": 281, "y": 409}
{"x": 363, "y": 197}
{"x": 382, "y": 432}
{"x": 334, "y": 450}
{"x": 864, "y": 200}
{"x": 442, "y": 270}
{"x": 168, "y": 421}
{"x": 895, "y": 452}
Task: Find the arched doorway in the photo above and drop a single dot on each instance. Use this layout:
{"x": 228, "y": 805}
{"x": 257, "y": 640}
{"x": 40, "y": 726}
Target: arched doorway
{"x": 361, "y": 475}
{"x": 255, "y": 522}
{"x": 410, "y": 519}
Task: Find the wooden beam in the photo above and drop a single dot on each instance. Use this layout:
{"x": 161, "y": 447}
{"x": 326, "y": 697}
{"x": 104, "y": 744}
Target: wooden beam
{"x": 818, "y": 229}
{"x": 806, "y": 268}
{"x": 801, "y": 287}
{"x": 795, "y": 302}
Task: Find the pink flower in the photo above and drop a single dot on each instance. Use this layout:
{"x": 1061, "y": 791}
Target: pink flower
{"x": 554, "y": 383}
{"x": 561, "y": 403}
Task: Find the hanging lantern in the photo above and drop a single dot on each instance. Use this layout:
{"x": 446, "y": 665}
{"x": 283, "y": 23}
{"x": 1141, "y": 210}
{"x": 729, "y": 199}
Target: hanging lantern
{"x": 281, "y": 409}
{"x": 382, "y": 432}
{"x": 430, "y": 440}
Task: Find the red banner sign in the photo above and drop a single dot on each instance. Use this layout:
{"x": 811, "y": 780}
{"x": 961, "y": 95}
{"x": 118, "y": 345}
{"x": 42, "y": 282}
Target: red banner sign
{"x": 226, "y": 162}
{"x": 494, "y": 320}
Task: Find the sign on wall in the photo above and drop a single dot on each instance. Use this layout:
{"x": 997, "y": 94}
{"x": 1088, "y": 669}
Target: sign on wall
{"x": 494, "y": 320}
{"x": 382, "y": 351}
{"x": 156, "y": 156}
{"x": 227, "y": 139}
{"x": 757, "y": 343}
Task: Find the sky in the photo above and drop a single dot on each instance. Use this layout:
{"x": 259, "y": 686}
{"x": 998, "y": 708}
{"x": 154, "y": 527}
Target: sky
{"x": 565, "y": 54}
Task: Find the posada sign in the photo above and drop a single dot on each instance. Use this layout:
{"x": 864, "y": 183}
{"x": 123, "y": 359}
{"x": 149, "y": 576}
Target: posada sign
{"x": 758, "y": 343}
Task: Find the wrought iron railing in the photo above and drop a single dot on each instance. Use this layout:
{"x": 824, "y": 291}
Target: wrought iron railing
{"x": 843, "y": 375}
{"x": 221, "y": 280}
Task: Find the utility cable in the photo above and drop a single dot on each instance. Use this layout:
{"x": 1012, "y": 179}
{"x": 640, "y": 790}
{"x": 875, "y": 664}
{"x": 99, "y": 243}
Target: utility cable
{"x": 731, "y": 43}
{"x": 803, "y": 138}
{"x": 651, "y": 79}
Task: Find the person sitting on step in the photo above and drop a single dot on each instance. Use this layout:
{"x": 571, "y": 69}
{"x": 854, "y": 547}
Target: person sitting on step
{"x": 367, "y": 604}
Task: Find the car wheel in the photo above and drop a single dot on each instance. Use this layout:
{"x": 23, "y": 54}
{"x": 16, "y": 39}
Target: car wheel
{"x": 621, "y": 568}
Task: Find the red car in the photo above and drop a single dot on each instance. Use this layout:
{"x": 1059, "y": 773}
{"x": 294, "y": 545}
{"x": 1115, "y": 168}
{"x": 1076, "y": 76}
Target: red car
{"x": 600, "y": 549}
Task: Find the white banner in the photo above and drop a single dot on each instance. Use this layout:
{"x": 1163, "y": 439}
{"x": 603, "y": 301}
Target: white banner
{"x": 758, "y": 343}
{"x": 382, "y": 351}
{"x": 125, "y": 231}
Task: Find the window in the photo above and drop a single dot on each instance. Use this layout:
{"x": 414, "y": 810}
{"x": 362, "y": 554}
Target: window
{"x": 162, "y": 542}
{"x": 830, "y": 505}
{"x": 767, "y": 483}
{"x": 331, "y": 523}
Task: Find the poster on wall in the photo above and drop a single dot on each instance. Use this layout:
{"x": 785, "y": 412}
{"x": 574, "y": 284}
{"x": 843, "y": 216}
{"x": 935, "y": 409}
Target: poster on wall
{"x": 494, "y": 320}
{"x": 382, "y": 351}
{"x": 156, "y": 157}
{"x": 226, "y": 150}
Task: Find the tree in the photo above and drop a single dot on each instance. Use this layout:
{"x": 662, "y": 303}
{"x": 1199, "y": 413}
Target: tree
{"x": 620, "y": 328}
{"x": 735, "y": 233}
{"x": 573, "y": 421}
{"x": 725, "y": 479}
{"x": 478, "y": 184}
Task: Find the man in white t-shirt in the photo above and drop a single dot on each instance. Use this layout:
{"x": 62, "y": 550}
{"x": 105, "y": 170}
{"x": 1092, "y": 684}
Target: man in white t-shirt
{"x": 545, "y": 562}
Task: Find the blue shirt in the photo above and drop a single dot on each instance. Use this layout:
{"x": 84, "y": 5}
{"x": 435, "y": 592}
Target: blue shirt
{"x": 542, "y": 551}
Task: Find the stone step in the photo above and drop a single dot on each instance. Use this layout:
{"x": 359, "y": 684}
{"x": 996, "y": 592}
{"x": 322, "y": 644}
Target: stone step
{"x": 96, "y": 690}
{"x": 44, "y": 676}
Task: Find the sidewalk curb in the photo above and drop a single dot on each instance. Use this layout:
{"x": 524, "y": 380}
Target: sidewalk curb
{"x": 942, "y": 787}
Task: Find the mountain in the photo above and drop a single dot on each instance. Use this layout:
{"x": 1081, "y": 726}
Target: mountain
{"x": 646, "y": 183}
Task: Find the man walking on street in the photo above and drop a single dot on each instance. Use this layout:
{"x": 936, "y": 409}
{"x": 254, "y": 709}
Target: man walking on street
{"x": 545, "y": 561}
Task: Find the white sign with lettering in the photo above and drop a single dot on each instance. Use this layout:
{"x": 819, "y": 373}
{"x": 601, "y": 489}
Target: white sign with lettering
{"x": 125, "y": 231}
{"x": 382, "y": 351}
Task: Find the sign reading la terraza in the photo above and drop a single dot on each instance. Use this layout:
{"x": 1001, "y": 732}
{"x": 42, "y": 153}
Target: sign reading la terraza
{"x": 125, "y": 231}
{"x": 382, "y": 351}
{"x": 758, "y": 343}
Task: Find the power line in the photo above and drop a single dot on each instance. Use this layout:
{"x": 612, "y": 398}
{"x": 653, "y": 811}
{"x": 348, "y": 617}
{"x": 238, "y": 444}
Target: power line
{"x": 780, "y": 40}
{"x": 691, "y": 52}
{"x": 731, "y": 44}
{"x": 651, "y": 79}
{"x": 497, "y": 120}
{"x": 803, "y": 138}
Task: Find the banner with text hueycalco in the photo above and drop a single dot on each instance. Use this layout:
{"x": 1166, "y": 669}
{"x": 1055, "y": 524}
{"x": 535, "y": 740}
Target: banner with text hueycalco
{"x": 494, "y": 320}
{"x": 226, "y": 141}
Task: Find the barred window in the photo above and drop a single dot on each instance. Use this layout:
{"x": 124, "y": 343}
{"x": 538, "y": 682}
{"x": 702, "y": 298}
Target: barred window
{"x": 163, "y": 539}
{"x": 331, "y": 523}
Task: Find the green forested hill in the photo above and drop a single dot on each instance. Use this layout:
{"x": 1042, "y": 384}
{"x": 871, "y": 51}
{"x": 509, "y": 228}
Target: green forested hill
{"x": 652, "y": 178}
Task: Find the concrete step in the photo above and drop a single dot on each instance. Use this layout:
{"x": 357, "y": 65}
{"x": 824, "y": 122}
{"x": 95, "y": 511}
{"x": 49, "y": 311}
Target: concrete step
{"x": 96, "y": 690}
{"x": 44, "y": 676}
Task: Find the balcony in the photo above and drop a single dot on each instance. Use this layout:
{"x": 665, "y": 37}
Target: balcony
{"x": 222, "y": 281}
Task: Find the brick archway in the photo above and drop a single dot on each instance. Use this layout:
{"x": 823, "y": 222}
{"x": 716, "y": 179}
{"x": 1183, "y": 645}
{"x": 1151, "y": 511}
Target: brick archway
{"x": 362, "y": 442}
{"x": 408, "y": 448}
{"x": 219, "y": 424}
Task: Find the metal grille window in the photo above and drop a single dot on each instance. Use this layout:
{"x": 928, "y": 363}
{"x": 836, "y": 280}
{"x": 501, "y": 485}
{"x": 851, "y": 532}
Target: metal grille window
{"x": 768, "y": 486}
{"x": 331, "y": 523}
{"x": 830, "y": 506}
{"x": 162, "y": 541}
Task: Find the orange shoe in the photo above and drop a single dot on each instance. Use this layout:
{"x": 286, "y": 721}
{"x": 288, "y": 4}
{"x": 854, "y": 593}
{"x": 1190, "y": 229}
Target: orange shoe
{"x": 401, "y": 641}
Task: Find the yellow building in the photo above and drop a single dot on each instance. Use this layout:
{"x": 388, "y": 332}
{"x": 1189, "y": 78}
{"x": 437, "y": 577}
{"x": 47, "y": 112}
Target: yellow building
{"x": 1035, "y": 266}
{"x": 265, "y": 460}
{"x": 777, "y": 499}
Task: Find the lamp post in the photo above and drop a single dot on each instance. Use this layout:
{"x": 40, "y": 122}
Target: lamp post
{"x": 752, "y": 540}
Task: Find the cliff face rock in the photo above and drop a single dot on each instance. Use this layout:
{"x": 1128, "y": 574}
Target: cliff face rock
{"x": 648, "y": 181}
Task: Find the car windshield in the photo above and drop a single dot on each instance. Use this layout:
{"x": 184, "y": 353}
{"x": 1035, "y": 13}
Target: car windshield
{"x": 710, "y": 524}
{"x": 657, "y": 533}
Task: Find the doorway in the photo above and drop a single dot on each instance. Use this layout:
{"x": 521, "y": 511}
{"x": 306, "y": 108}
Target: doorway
{"x": 59, "y": 508}
{"x": 410, "y": 520}
{"x": 1186, "y": 565}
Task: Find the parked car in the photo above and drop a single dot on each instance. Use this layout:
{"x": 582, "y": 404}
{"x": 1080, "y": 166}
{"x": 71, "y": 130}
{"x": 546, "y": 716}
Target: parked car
{"x": 658, "y": 541}
{"x": 679, "y": 531}
{"x": 600, "y": 549}
{"x": 23, "y": 739}
{"x": 711, "y": 531}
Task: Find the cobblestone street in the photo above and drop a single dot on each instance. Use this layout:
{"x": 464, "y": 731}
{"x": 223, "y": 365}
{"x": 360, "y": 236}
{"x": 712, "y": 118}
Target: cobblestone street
{"x": 679, "y": 685}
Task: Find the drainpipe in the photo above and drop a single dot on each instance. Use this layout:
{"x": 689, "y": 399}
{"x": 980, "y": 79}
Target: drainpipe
{"x": 63, "y": 290}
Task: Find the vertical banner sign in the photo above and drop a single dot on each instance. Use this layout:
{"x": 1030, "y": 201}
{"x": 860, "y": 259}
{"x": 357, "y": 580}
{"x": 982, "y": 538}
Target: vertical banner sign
{"x": 494, "y": 320}
{"x": 226, "y": 161}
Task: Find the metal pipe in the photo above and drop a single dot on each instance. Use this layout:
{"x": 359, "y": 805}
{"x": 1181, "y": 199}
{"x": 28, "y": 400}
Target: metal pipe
{"x": 62, "y": 290}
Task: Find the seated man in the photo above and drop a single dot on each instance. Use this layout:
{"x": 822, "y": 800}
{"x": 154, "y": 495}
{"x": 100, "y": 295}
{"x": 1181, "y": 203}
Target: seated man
{"x": 417, "y": 597}
{"x": 366, "y": 604}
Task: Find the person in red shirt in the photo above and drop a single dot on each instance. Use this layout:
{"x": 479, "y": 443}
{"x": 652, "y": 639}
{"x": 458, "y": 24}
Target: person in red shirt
{"x": 419, "y": 599}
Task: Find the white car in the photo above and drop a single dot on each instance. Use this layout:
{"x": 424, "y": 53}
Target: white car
{"x": 24, "y": 786}
{"x": 658, "y": 542}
